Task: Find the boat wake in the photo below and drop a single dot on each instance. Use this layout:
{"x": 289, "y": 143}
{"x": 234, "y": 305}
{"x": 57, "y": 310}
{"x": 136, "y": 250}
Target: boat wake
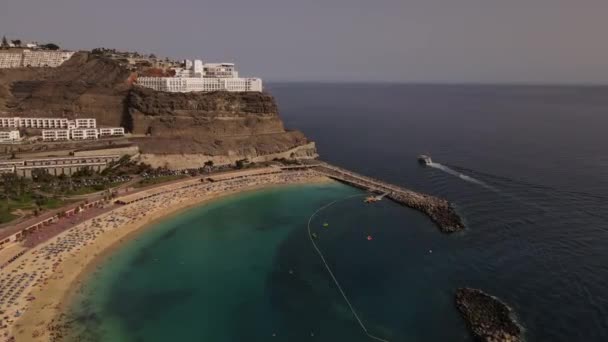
{"x": 462, "y": 176}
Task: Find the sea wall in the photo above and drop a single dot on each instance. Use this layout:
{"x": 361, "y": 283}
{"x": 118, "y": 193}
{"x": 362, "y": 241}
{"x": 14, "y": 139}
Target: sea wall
{"x": 195, "y": 160}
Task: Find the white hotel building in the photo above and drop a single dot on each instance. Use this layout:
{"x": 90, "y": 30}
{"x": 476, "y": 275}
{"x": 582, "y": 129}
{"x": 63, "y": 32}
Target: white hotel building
{"x": 111, "y": 132}
{"x": 28, "y": 58}
{"x": 60, "y": 129}
{"x": 47, "y": 123}
{"x": 84, "y": 133}
{"x": 202, "y": 77}
{"x": 56, "y": 134}
{"x": 9, "y": 136}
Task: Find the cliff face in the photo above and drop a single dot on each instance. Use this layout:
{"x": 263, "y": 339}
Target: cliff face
{"x": 202, "y": 114}
{"x": 223, "y": 125}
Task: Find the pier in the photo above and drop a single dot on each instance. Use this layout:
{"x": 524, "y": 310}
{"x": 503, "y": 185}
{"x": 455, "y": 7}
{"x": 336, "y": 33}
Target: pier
{"x": 440, "y": 211}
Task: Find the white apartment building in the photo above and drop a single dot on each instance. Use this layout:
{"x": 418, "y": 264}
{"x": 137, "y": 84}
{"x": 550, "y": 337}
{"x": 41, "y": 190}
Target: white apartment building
{"x": 85, "y": 123}
{"x": 220, "y": 70}
{"x": 39, "y": 58}
{"x": 55, "y": 134}
{"x": 84, "y": 133}
{"x": 190, "y": 84}
{"x": 10, "y": 60}
{"x": 111, "y": 131}
{"x": 47, "y": 123}
{"x": 203, "y": 77}
{"x": 45, "y": 58}
{"x": 33, "y": 122}
{"x": 9, "y": 122}
{"x": 9, "y": 136}
{"x": 42, "y": 122}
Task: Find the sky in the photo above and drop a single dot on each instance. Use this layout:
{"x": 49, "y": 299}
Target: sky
{"x": 416, "y": 41}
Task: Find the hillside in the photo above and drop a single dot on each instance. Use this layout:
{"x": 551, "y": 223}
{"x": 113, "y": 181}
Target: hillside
{"x": 239, "y": 125}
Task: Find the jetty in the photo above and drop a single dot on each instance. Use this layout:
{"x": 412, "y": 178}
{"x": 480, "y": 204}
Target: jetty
{"x": 439, "y": 210}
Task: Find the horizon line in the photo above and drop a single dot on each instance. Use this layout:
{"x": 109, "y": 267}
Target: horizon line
{"x": 443, "y": 83}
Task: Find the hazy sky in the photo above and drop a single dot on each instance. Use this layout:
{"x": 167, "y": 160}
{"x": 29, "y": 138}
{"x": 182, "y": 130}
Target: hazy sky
{"x": 513, "y": 41}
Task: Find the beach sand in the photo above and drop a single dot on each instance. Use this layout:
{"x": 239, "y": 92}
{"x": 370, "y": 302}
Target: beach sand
{"x": 56, "y": 268}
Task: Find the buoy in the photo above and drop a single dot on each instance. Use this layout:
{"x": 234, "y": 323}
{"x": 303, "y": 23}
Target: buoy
{"x": 430, "y": 251}
{"x": 290, "y": 271}
{"x": 369, "y": 238}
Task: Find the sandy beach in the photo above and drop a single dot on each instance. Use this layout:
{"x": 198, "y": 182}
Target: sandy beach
{"x": 35, "y": 289}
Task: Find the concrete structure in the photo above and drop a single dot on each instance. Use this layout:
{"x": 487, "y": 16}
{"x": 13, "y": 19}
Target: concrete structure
{"x": 41, "y": 122}
{"x": 111, "y": 132}
{"x": 46, "y": 123}
{"x": 11, "y": 60}
{"x": 9, "y": 136}
{"x": 56, "y": 135}
{"x": 9, "y": 122}
{"x": 202, "y": 77}
{"x": 56, "y": 166}
{"x": 84, "y": 133}
{"x": 220, "y": 70}
{"x": 189, "y": 84}
{"x": 130, "y": 150}
{"x": 81, "y": 133}
{"x": 85, "y": 123}
{"x": 39, "y": 58}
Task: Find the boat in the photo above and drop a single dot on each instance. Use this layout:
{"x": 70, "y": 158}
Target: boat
{"x": 314, "y": 236}
{"x": 372, "y": 199}
{"x": 424, "y": 159}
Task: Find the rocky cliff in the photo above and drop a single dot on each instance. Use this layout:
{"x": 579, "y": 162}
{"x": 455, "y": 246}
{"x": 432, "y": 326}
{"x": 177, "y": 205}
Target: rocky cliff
{"x": 224, "y": 125}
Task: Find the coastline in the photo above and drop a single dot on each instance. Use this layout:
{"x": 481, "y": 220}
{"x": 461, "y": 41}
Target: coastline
{"x": 39, "y": 321}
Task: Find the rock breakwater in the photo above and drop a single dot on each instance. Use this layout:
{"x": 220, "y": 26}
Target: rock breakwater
{"x": 440, "y": 211}
{"x": 489, "y": 318}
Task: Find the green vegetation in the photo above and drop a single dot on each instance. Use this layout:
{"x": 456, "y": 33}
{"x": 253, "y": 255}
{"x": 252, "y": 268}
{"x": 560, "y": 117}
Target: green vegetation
{"x": 26, "y": 203}
{"x": 5, "y": 214}
{"x": 162, "y": 179}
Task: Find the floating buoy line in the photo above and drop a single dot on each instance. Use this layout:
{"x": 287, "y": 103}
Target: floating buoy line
{"x": 313, "y": 236}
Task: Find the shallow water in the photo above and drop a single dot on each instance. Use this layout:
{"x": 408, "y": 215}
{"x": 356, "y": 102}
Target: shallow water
{"x": 527, "y": 170}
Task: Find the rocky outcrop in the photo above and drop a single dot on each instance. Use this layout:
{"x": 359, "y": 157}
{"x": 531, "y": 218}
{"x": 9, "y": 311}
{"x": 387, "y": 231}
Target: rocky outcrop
{"x": 489, "y": 318}
{"x": 202, "y": 115}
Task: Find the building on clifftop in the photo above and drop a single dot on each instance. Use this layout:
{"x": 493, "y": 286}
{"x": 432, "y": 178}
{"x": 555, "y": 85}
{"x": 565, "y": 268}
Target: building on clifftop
{"x": 202, "y": 77}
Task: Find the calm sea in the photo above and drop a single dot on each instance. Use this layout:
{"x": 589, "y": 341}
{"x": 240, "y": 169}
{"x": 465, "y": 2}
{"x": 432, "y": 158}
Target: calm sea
{"x": 527, "y": 167}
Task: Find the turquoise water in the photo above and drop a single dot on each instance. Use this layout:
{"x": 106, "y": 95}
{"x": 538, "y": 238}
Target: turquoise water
{"x": 243, "y": 269}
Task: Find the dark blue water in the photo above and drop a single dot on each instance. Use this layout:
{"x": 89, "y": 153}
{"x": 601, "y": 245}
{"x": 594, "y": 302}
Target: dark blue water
{"x": 525, "y": 166}
{"x": 538, "y": 237}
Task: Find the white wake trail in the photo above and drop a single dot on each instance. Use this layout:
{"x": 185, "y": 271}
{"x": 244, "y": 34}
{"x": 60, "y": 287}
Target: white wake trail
{"x": 462, "y": 176}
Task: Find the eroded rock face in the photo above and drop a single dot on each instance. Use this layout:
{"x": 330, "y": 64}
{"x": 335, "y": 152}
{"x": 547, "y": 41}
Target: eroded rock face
{"x": 202, "y": 115}
{"x": 488, "y": 317}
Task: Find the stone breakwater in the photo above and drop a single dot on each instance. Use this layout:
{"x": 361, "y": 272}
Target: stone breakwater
{"x": 440, "y": 211}
{"x": 489, "y": 318}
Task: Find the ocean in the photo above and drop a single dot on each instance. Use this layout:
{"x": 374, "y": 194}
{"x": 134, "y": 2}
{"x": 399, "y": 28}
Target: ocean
{"x": 525, "y": 166}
